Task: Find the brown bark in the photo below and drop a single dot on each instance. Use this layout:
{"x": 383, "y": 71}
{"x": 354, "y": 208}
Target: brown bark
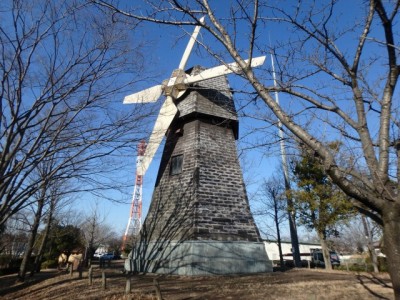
{"x": 370, "y": 244}
{"x": 38, "y": 259}
{"x": 325, "y": 251}
{"x": 391, "y": 229}
{"x": 278, "y": 234}
{"x": 32, "y": 237}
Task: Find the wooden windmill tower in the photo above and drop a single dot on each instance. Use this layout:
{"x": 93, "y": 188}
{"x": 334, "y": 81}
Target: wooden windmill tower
{"x": 199, "y": 221}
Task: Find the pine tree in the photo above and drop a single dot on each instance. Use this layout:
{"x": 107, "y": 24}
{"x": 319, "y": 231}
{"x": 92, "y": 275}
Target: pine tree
{"x": 320, "y": 204}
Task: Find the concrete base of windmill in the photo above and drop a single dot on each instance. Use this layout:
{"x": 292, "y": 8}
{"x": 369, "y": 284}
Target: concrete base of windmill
{"x": 190, "y": 258}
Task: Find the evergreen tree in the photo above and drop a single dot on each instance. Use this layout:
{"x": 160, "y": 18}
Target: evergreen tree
{"x": 320, "y": 204}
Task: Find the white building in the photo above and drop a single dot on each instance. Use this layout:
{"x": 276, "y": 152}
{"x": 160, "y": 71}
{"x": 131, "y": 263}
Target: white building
{"x": 102, "y": 249}
{"x": 273, "y": 251}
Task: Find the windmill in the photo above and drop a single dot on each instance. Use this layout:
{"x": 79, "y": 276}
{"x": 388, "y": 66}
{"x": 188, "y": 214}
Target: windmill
{"x": 199, "y": 220}
{"x": 173, "y": 88}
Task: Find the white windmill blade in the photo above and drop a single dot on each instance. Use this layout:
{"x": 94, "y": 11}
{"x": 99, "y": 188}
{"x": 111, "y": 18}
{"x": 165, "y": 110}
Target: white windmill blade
{"x": 167, "y": 113}
{"x": 222, "y": 70}
{"x": 145, "y": 96}
{"x": 190, "y": 45}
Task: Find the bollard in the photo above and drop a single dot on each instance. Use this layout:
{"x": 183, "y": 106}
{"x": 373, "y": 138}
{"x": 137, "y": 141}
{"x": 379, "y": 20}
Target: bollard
{"x": 80, "y": 267}
{"x": 90, "y": 275}
{"x": 157, "y": 288}
{"x": 71, "y": 269}
{"x": 309, "y": 264}
{"x": 103, "y": 280}
{"x": 128, "y": 285}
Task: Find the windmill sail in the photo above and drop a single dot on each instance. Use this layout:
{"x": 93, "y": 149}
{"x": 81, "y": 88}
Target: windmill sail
{"x": 164, "y": 119}
{"x": 148, "y": 95}
{"x": 223, "y": 70}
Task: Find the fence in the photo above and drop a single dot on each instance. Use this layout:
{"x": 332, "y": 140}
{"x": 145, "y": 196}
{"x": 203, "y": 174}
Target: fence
{"x": 128, "y": 285}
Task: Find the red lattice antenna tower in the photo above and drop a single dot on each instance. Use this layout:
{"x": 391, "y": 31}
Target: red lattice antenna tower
{"x": 135, "y": 217}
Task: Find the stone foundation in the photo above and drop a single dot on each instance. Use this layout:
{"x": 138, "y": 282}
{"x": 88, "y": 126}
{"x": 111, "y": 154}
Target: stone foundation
{"x": 190, "y": 258}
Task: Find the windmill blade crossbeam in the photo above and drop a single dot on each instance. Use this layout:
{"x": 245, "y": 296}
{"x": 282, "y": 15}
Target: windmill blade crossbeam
{"x": 175, "y": 84}
{"x": 223, "y": 70}
{"x": 148, "y": 95}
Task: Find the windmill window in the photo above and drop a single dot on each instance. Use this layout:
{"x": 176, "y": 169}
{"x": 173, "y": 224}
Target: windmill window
{"x": 176, "y": 164}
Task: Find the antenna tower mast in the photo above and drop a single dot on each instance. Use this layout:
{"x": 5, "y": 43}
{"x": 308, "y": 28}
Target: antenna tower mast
{"x": 292, "y": 218}
{"x": 135, "y": 217}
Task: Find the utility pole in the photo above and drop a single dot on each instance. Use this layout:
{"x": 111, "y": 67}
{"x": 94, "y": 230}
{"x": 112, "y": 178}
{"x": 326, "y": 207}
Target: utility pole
{"x": 290, "y": 204}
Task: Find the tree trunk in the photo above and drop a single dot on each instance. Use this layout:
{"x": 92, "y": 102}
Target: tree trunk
{"x": 293, "y": 234}
{"x": 32, "y": 237}
{"x": 278, "y": 234}
{"x": 325, "y": 251}
{"x": 370, "y": 244}
{"x": 391, "y": 229}
{"x": 38, "y": 259}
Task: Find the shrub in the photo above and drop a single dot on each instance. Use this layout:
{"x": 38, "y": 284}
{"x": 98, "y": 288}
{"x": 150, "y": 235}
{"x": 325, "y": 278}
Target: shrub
{"x": 50, "y": 263}
{"x": 382, "y": 264}
{"x": 9, "y": 265}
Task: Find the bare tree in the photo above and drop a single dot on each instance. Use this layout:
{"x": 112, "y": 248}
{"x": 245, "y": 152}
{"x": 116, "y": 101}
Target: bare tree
{"x": 14, "y": 237}
{"x": 273, "y": 205}
{"x": 359, "y": 235}
{"x": 340, "y": 69}
{"x": 95, "y": 232}
{"x": 63, "y": 68}
{"x": 52, "y": 195}
{"x": 41, "y": 199}
{"x": 53, "y": 201}
{"x": 370, "y": 243}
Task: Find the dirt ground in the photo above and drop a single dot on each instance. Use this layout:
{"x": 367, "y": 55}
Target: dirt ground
{"x": 293, "y": 284}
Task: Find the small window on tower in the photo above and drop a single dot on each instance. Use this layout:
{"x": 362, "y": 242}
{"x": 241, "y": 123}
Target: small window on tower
{"x": 176, "y": 164}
